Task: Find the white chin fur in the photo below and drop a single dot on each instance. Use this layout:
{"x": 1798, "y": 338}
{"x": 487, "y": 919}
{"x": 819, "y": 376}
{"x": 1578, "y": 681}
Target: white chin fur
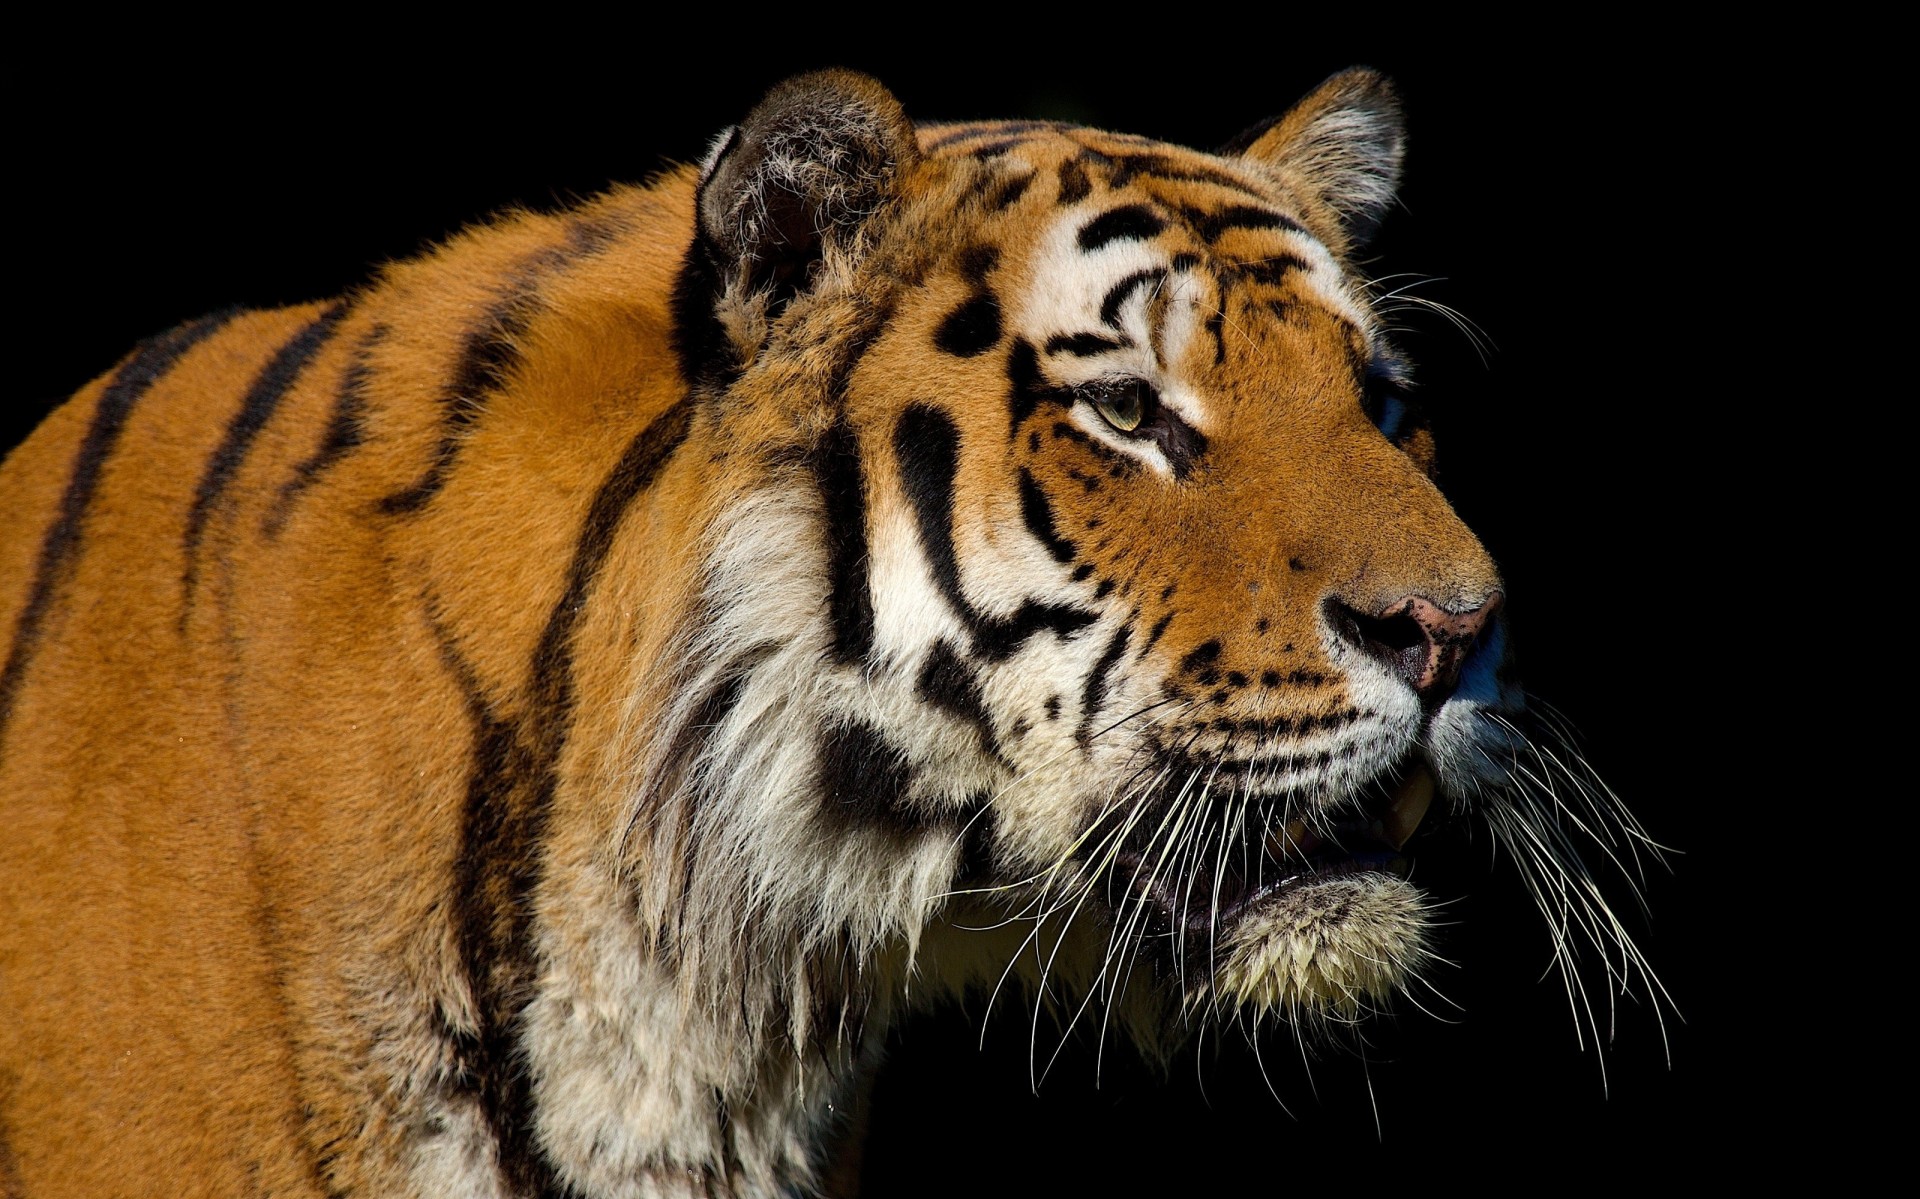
{"x": 1330, "y": 948}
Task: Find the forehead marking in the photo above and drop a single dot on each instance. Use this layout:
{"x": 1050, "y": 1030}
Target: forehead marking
{"x": 1008, "y": 192}
{"x": 1074, "y": 184}
{"x": 1124, "y": 166}
{"x": 997, "y": 148}
{"x": 1120, "y": 292}
{"x": 1214, "y": 225}
{"x": 1105, "y": 292}
{"x": 1086, "y": 345}
{"x": 962, "y": 133}
{"x": 1131, "y": 222}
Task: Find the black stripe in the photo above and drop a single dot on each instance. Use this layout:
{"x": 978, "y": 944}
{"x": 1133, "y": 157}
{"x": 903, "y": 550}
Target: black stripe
{"x": 721, "y": 698}
{"x": 262, "y": 400}
{"x": 842, "y": 480}
{"x": 835, "y": 463}
{"x": 1154, "y": 634}
{"x": 976, "y": 262}
{"x": 1131, "y": 222}
{"x": 487, "y": 359}
{"x": 700, "y": 341}
{"x": 1272, "y": 271}
{"x": 1127, "y": 167}
{"x": 928, "y": 448}
{"x": 1095, "y": 693}
{"x": 995, "y": 149}
{"x": 989, "y": 129}
{"x": 1214, "y": 225}
{"x": 946, "y": 682}
{"x": 960, "y": 134}
{"x": 495, "y": 869}
{"x": 1009, "y": 192}
{"x": 1027, "y": 388}
{"x": 415, "y": 495}
{"x": 863, "y": 782}
{"x": 974, "y": 327}
{"x": 150, "y": 362}
{"x": 1217, "y": 325}
{"x": 490, "y": 354}
{"x": 1117, "y": 294}
{"x": 344, "y": 433}
{"x": 645, "y": 455}
{"x": 1074, "y": 184}
{"x": 971, "y": 329}
{"x": 1065, "y": 431}
{"x": 1202, "y": 657}
{"x": 509, "y": 796}
{"x": 1038, "y": 514}
{"x": 998, "y": 638}
{"x": 1085, "y": 345}
{"x": 1236, "y": 767}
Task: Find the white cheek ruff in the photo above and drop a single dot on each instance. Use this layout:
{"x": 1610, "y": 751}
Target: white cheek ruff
{"x": 750, "y": 788}
{"x": 909, "y": 612}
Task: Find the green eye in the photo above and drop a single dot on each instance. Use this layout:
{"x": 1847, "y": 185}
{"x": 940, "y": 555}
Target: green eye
{"x": 1122, "y": 407}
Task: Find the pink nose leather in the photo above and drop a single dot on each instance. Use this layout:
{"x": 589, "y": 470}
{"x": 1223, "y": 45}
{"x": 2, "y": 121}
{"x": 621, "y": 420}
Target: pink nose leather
{"x": 1450, "y": 635}
{"x": 1418, "y": 640}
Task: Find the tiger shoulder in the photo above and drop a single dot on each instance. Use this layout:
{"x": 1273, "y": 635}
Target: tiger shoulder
{"x": 529, "y": 726}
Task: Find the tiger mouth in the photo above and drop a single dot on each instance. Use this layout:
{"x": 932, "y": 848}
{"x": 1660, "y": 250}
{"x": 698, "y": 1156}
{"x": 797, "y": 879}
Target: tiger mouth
{"x": 1259, "y": 866}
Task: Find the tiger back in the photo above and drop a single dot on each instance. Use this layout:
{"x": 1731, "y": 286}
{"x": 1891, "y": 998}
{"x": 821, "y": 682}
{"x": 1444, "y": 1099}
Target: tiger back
{"x": 528, "y": 726}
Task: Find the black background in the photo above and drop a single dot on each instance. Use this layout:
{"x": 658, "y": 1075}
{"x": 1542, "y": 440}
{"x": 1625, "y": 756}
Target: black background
{"x": 1559, "y": 195}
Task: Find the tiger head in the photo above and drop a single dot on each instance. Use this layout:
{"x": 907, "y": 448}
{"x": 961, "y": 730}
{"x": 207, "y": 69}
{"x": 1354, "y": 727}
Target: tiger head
{"x": 1093, "y": 570}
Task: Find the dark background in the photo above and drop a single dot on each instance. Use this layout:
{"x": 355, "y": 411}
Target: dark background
{"x": 1562, "y": 197}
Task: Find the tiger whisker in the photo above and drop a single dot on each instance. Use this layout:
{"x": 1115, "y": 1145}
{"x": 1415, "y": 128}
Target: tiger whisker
{"x": 1030, "y": 777}
{"x": 1092, "y": 991}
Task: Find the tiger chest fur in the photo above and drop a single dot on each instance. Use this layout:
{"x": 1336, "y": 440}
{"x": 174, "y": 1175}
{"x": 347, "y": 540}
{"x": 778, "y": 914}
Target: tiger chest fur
{"x": 526, "y": 727}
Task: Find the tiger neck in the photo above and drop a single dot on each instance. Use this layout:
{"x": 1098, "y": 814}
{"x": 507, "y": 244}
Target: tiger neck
{"x": 694, "y": 992}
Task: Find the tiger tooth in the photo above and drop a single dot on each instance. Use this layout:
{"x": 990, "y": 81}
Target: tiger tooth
{"x": 1410, "y": 803}
{"x": 1289, "y": 841}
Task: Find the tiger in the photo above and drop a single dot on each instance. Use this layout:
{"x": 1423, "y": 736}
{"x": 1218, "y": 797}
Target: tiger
{"x": 531, "y": 725}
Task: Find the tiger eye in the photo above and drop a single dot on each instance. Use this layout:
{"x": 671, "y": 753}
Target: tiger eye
{"x": 1122, "y": 409}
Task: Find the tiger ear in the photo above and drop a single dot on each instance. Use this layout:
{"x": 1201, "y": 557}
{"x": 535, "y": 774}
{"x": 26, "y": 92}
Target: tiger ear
{"x": 1338, "y": 151}
{"x": 811, "y": 161}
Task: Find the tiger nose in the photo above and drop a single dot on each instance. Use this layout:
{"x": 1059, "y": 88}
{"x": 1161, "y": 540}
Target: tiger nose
{"x": 1417, "y": 639}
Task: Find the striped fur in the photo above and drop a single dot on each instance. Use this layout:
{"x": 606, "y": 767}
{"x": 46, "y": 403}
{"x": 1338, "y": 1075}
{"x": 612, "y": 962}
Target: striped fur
{"x": 525, "y": 728}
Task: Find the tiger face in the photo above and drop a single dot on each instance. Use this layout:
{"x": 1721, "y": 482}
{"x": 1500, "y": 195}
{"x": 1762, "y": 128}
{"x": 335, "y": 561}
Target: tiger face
{"x": 1141, "y": 606}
